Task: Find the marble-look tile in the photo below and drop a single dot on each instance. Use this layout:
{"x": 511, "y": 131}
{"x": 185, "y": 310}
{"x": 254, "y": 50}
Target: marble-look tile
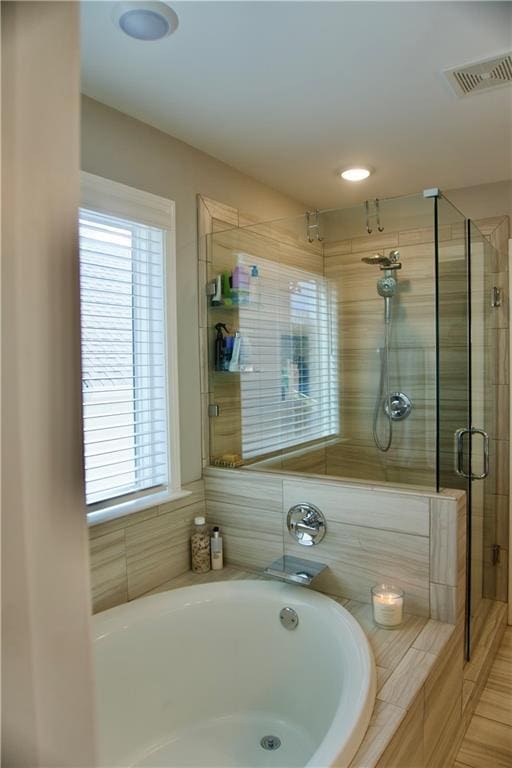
{"x": 385, "y": 720}
{"x": 443, "y": 603}
{"x": 375, "y": 241}
{"x": 389, "y": 645}
{"x": 382, "y": 676}
{"x": 485, "y": 644}
{"x": 423, "y": 235}
{"x": 503, "y": 356}
{"x": 358, "y": 558}
{"x": 244, "y": 489}
{"x": 505, "y": 649}
{"x": 448, "y": 742}
{"x": 495, "y": 700}
{"x": 486, "y": 743}
{"x": 405, "y": 749}
{"x": 410, "y": 675}
{"x": 189, "y": 579}
{"x": 159, "y": 548}
{"x": 468, "y": 691}
{"x": 370, "y": 507}
{"x": 337, "y": 248}
{"x": 443, "y": 541}
{"x": 252, "y": 536}
{"x": 108, "y": 570}
{"x": 442, "y": 690}
{"x": 434, "y": 636}
{"x": 499, "y": 240}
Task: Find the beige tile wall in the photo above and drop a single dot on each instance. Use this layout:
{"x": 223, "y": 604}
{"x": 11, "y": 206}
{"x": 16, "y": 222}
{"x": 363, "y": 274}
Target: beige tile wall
{"x": 373, "y": 535}
{"x": 136, "y": 553}
{"x": 361, "y": 332}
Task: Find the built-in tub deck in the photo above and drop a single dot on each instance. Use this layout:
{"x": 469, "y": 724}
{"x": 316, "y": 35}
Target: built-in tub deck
{"x": 415, "y": 664}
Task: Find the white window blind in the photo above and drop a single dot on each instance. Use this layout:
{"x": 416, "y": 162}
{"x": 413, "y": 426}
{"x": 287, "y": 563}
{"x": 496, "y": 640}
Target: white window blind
{"x": 288, "y": 368}
{"x": 122, "y": 295}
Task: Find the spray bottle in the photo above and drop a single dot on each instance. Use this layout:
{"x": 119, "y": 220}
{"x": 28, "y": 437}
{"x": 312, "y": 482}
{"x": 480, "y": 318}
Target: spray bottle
{"x": 220, "y": 347}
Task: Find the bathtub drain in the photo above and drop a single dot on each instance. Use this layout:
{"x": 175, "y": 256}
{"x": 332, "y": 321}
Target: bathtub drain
{"x": 270, "y": 742}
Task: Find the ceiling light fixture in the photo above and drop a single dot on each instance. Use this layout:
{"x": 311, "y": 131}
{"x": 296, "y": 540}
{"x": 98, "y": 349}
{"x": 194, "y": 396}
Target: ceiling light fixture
{"x": 148, "y": 21}
{"x": 355, "y": 174}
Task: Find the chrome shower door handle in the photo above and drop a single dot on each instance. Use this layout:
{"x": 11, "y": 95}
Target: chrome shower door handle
{"x": 459, "y": 452}
{"x": 459, "y": 442}
{"x": 476, "y": 431}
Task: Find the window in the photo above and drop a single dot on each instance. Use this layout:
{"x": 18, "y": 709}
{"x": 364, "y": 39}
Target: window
{"x": 126, "y": 262}
{"x": 288, "y": 362}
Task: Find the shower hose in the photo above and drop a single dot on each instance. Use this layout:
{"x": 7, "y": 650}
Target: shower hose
{"x": 383, "y": 442}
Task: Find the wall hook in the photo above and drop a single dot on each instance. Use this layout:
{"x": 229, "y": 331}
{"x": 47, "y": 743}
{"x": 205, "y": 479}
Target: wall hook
{"x": 377, "y": 213}
{"x": 376, "y": 204}
{"x": 313, "y": 226}
{"x": 367, "y": 210}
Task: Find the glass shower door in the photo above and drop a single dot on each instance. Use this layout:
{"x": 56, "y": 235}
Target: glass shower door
{"x": 467, "y": 376}
{"x": 484, "y": 477}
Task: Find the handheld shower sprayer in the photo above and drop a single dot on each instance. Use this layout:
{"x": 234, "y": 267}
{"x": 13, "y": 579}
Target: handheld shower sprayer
{"x": 387, "y": 286}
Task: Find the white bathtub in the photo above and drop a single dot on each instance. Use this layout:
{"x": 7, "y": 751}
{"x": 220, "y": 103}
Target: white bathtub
{"x": 199, "y": 675}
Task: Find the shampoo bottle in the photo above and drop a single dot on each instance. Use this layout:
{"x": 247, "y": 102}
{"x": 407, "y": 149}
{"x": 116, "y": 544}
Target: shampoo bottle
{"x": 216, "y": 550}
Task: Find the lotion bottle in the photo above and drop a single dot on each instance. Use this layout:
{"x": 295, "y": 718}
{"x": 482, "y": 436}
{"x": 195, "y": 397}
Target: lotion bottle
{"x": 216, "y": 550}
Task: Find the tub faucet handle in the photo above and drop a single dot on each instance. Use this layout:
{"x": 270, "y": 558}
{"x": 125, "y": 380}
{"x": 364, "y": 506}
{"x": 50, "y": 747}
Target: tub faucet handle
{"x": 306, "y": 524}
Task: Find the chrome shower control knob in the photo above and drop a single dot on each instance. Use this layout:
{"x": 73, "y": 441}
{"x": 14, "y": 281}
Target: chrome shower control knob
{"x": 306, "y": 524}
{"x": 397, "y": 406}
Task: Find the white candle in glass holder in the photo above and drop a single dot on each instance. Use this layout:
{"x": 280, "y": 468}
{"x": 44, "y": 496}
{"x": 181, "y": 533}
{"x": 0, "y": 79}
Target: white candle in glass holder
{"x": 388, "y": 605}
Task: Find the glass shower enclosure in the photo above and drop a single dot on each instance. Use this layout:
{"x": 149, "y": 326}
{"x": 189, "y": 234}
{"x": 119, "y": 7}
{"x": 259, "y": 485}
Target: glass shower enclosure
{"x": 363, "y": 344}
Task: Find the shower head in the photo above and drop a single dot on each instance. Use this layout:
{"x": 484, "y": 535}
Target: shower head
{"x": 384, "y": 262}
{"x": 376, "y": 259}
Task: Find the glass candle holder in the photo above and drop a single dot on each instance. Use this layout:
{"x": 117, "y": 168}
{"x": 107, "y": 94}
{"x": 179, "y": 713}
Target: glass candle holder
{"x": 388, "y": 605}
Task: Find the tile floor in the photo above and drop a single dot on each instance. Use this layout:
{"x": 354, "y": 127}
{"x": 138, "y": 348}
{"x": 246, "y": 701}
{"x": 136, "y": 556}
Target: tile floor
{"x": 488, "y": 740}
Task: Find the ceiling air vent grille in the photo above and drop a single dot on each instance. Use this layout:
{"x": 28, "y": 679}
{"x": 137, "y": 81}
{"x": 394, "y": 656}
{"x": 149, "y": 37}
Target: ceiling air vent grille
{"x": 481, "y": 76}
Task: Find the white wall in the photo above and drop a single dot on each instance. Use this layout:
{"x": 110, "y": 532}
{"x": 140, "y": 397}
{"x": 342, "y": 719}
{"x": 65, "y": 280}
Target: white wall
{"x": 124, "y": 149}
{"x": 47, "y": 686}
{"x": 485, "y": 200}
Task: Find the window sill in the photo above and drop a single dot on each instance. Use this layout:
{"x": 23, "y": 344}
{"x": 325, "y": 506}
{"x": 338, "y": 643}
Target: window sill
{"x": 136, "y": 505}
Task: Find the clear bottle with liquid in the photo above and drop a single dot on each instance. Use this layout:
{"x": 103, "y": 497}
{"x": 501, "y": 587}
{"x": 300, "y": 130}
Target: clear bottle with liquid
{"x": 200, "y": 546}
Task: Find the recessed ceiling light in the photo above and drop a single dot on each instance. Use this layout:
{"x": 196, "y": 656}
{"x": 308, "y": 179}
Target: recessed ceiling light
{"x": 355, "y": 174}
{"x": 147, "y": 21}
